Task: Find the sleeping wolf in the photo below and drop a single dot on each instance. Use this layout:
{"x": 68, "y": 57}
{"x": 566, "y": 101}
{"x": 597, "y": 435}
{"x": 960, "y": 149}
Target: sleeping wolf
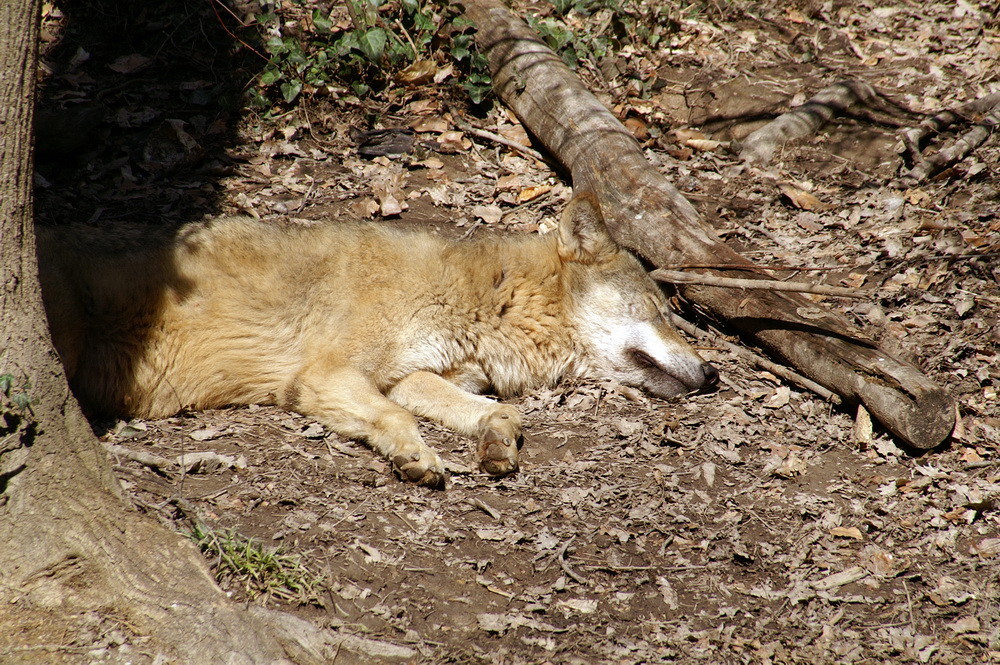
{"x": 360, "y": 326}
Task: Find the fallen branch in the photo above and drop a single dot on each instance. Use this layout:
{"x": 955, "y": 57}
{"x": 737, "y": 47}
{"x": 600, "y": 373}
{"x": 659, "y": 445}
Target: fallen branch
{"x": 566, "y": 568}
{"x": 154, "y": 462}
{"x": 913, "y": 137}
{"x": 988, "y": 107}
{"x": 647, "y": 214}
{"x": 678, "y": 277}
{"x": 763, "y": 363}
{"x": 804, "y": 120}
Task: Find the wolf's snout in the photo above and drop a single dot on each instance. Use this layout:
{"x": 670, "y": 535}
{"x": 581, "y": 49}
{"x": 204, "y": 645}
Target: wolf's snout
{"x": 711, "y": 375}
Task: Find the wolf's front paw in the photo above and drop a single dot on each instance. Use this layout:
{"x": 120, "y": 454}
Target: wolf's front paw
{"x": 500, "y": 442}
{"x": 423, "y": 468}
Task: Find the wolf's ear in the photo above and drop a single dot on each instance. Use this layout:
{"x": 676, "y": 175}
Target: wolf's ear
{"x": 582, "y": 234}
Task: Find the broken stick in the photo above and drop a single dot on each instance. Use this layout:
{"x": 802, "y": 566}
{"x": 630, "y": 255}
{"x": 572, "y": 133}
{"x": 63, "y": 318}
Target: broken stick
{"x": 678, "y": 277}
{"x": 647, "y": 214}
{"x": 804, "y": 120}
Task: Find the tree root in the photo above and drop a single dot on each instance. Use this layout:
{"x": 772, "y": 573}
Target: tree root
{"x": 986, "y": 108}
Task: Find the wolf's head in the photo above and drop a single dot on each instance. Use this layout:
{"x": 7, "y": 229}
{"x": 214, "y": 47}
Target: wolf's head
{"x": 620, "y": 313}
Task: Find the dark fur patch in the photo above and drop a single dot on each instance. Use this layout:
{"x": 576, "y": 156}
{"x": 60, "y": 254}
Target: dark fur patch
{"x": 293, "y": 393}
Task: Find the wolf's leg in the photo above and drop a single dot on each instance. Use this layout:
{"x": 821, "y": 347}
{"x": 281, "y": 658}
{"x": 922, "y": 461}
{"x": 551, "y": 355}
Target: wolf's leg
{"x": 498, "y": 426}
{"x": 347, "y": 402}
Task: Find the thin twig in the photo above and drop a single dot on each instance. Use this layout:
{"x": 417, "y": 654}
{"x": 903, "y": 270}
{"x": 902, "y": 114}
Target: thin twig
{"x": 745, "y": 266}
{"x": 779, "y": 370}
{"x": 485, "y": 507}
{"x": 305, "y": 199}
{"x": 909, "y": 606}
{"x": 678, "y": 277}
{"x": 496, "y": 138}
{"x": 228, "y": 31}
{"x": 155, "y": 462}
{"x": 561, "y": 556}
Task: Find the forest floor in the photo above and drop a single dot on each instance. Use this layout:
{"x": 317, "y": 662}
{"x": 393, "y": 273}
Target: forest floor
{"x": 755, "y": 524}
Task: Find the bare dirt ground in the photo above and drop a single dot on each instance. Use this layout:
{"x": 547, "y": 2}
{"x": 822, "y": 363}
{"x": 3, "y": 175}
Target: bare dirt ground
{"x": 758, "y": 524}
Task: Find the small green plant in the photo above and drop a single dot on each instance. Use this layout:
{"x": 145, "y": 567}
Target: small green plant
{"x": 375, "y": 43}
{"x": 310, "y": 50}
{"x": 476, "y": 79}
{"x": 259, "y": 571}
{"x": 19, "y": 397}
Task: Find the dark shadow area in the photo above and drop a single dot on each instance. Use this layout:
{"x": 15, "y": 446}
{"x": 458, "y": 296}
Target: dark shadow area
{"x": 139, "y": 109}
{"x": 138, "y": 104}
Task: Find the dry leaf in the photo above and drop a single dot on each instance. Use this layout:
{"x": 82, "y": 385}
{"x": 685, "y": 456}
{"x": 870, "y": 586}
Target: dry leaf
{"x": 531, "y": 193}
{"x": 703, "y": 145}
{"x": 708, "y": 473}
{"x": 206, "y": 434}
{"x": 881, "y": 563}
{"x": 490, "y": 214}
{"x": 668, "y": 593}
{"x": 965, "y": 625}
{"x": 986, "y": 548}
{"x": 792, "y": 465}
{"x": 453, "y": 141}
{"x": 364, "y": 207}
{"x": 444, "y": 72}
{"x": 800, "y": 198}
{"x": 847, "y": 532}
{"x": 130, "y": 64}
{"x": 684, "y": 135}
{"x": 418, "y": 73}
{"x": 515, "y": 133}
{"x": 421, "y": 107}
{"x": 949, "y": 591}
{"x": 430, "y": 163}
{"x": 431, "y": 124}
{"x": 852, "y": 574}
{"x": 795, "y": 16}
{"x": 918, "y": 197}
{"x": 638, "y": 128}
{"x": 581, "y": 605}
{"x": 863, "y": 426}
{"x": 779, "y": 398}
{"x": 207, "y": 462}
{"x": 811, "y": 313}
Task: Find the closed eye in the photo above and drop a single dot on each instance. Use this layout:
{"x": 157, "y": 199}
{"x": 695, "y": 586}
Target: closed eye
{"x": 644, "y": 360}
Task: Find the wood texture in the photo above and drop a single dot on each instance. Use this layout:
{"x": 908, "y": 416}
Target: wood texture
{"x": 648, "y": 215}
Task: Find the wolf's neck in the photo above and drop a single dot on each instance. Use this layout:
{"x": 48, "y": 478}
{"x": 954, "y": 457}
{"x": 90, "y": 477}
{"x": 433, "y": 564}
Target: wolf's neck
{"x": 520, "y": 326}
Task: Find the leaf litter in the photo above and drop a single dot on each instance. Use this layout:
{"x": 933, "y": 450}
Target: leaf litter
{"x": 758, "y": 524}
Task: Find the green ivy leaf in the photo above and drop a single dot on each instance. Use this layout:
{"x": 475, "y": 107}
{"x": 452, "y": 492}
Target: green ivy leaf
{"x": 460, "y": 47}
{"x": 269, "y": 76}
{"x": 290, "y": 90}
{"x": 322, "y": 23}
{"x": 477, "y": 87}
{"x": 424, "y": 23}
{"x": 275, "y": 45}
{"x": 21, "y": 400}
{"x": 372, "y": 44}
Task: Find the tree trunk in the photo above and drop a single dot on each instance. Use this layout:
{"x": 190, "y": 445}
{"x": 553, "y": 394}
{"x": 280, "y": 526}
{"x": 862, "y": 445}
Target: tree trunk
{"x": 75, "y": 558}
{"x": 648, "y": 215}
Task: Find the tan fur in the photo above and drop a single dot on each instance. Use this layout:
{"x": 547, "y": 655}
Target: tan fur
{"x": 357, "y": 326}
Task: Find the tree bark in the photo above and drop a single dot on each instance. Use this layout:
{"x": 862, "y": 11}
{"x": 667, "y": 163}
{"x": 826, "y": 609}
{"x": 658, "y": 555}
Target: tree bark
{"x": 648, "y": 215}
{"x": 73, "y": 553}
